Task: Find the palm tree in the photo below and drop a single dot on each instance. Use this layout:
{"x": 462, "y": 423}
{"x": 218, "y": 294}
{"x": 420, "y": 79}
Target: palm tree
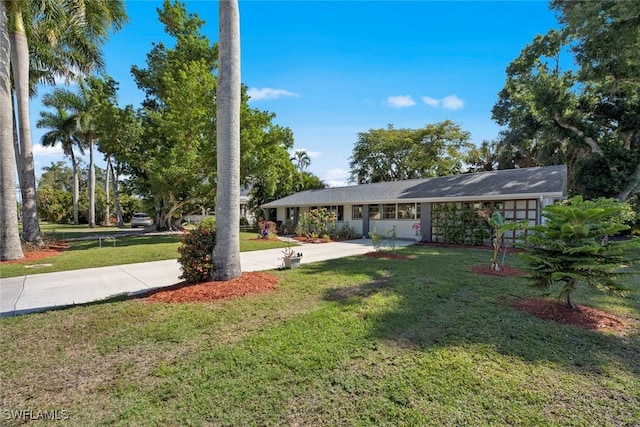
{"x": 483, "y": 158}
{"x": 9, "y": 233}
{"x": 62, "y": 131}
{"x": 81, "y": 107}
{"x": 67, "y": 37}
{"x": 302, "y": 159}
{"x": 20, "y": 67}
{"x": 226, "y": 254}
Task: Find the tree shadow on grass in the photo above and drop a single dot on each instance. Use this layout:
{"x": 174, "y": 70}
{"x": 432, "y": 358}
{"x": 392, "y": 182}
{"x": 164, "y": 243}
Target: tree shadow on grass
{"x": 442, "y": 303}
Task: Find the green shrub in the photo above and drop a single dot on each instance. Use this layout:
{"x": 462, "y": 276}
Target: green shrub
{"x": 376, "y": 239}
{"x": 572, "y": 248}
{"x": 208, "y": 223}
{"x": 316, "y": 222}
{"x": 386, "y": 239}
{"x": 347, "y": 231}
{"x": 196, "y": 254}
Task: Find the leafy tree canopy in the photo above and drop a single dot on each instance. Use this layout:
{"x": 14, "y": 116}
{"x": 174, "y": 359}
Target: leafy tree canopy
{"x": 168, "y": 147}
{"x": 573, "y": 96}
{"x": 395, "y": 154}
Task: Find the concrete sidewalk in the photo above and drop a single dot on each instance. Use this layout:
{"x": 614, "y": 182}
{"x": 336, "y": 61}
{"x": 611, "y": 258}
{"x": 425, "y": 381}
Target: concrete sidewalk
{"x": 40, "y": 292}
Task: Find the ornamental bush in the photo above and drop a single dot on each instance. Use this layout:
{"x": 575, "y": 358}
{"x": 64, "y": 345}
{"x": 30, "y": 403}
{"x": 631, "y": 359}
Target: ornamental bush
{"x": 196, "y": 254}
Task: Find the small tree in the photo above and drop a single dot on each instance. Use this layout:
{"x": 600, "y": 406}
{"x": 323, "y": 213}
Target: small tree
{"x": 570, "y": 248}
{"x": 500, "y": 226}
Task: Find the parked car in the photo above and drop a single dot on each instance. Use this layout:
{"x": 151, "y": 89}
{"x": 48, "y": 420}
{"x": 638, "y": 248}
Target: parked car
{"x": 141, "y": 219}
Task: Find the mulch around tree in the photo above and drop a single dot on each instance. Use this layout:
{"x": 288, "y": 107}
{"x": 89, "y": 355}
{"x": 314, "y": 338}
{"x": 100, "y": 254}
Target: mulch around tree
{"x": 505, "y": 271}
{"x": 583, "y": 317}
{"x": 249, "y": 283}
{"x": 31, "y": 255}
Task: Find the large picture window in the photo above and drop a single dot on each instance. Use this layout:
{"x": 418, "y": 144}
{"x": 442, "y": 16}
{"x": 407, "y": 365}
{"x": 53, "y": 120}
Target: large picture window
{"x": 389, "y": 211}
{"x": 407, "y": 211}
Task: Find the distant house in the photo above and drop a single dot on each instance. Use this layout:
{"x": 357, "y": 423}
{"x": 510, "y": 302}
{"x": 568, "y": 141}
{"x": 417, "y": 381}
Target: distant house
{"x": 245, "y": 210}
{"x": 516, "y": 193}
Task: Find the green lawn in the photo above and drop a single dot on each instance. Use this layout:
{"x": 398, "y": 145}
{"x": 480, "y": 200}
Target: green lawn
{"x": 355, "y": 341}
{"x": 52, "y": 231}
{"x": 127, "y": 250}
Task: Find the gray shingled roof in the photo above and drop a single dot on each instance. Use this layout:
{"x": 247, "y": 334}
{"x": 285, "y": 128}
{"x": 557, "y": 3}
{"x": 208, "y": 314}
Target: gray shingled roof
{"x": 547, "y": 181}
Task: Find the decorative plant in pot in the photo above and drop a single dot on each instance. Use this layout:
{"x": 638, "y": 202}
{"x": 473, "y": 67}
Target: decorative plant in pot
{"x": 291, "y": 258}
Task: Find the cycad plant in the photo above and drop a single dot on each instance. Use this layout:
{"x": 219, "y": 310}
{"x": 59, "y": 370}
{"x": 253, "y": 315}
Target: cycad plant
{"x": 572, "y": 248}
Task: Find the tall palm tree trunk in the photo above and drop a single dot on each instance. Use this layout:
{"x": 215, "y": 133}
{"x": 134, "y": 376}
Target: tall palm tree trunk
{"x": 20, "y": 65}
{"x": 226, "y": 254}
{"x": 10, "y": 247}
{"x": 116, "y": 196}
{"x": 107, "y": 196}
{"x": 76, "y": 187}
{"x": 92, "y": 187}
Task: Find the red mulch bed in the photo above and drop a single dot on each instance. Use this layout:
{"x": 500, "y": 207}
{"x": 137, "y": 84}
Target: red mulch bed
{"x": 505, "y": 271}
{"x": 52, "y": 249}
{"x": 584, "y": 317}
{"x": 386, "y": 255}
{"x": 247, "y": 284}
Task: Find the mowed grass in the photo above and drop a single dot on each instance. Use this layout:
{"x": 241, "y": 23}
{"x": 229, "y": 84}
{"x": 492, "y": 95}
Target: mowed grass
{"x": 52, "y": 231}
{"x": 127, "y": 250}
{"x": 354, "y": 341}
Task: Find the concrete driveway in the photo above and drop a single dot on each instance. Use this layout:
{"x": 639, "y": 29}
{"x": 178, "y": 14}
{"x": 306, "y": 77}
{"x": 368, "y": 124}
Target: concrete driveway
{"x": 39, "y": 292}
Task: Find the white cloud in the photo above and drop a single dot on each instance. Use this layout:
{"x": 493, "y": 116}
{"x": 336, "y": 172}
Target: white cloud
{"x": 452, "y": 102}
{"x": 400, "y": 101}
{"x": 268, "y": 93}
{"x": 430, "y": 101}
{"x": 40, "y": 150}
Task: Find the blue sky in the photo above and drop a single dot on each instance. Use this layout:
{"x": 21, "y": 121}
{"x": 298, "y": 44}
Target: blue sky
{"x": 332, "y": 69}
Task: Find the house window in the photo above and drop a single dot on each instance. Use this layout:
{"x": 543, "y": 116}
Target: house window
{"x": 389, "y": 211}
{"x": 374, "y": 211}
{"x": 291, "y": 214}
{"x": 406, "y": 210}
{"x": 356, "y": 212}
{"x": 417, "y": 210}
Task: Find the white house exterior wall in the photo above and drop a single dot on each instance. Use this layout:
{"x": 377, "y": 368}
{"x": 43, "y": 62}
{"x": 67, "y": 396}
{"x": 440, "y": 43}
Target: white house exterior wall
{"x": 524, "y": 209}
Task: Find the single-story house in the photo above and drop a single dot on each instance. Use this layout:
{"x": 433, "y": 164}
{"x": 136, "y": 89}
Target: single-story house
{"x": 519, "y": 194}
